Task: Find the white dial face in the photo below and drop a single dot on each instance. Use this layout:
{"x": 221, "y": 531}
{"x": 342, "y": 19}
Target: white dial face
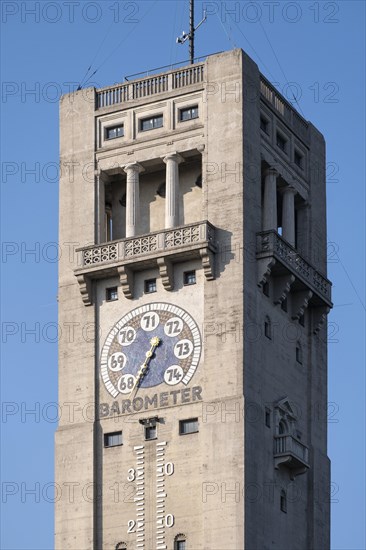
{"x": 154, "y": 344}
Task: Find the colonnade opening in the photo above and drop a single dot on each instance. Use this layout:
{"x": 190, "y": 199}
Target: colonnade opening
{"x": 142, "y": 198}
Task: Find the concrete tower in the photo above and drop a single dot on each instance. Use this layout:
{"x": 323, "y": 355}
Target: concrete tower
{"x": 197, "y": 372}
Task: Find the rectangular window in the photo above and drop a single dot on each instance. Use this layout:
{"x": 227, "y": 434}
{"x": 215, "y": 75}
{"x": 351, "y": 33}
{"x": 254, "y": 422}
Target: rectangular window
{"x": 284, "y": 305}
{"x": 150, "y": 432}
{"x": 264, "y": 125}
{"x": 188, "y": 113}
{"x": 111, "y": 294}
{"x": 113, "y": 439}
{"x": 150, "y": 286}
{"x": 114, "y": 132}
{"x": 189, "y": 426}
{"x": 298, "y": 159}
{"x": 268, "y": 417}
{"x": 281, "y": 142}
{"x": 189, "y": 278}
{"x": 265, "y": 288}
{"x": 151, "y": 123}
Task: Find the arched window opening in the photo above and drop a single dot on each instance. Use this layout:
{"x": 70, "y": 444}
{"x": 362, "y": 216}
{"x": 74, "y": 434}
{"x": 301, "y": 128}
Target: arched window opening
{"x": 199, "y": 181}
{"x": 268, "y": 328}
{"x": 283, "y": 501}
{"x": 298, "y": 353}
{"x": 180, "y": 542}
{"x": 161, "y": 191}
{"x": 282, "y": 427}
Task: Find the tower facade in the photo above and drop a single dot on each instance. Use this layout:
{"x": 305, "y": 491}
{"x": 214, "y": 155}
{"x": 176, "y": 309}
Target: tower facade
{"x": 195, "y": 380}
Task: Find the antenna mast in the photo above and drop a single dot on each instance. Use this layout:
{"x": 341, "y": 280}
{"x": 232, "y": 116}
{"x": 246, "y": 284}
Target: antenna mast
{"x": 192, "y": 29}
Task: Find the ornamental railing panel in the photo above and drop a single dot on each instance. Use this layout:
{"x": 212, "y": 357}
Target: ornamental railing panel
{"x": 179, "y": 237}
{"x": 100, "y": 254}
{"x": 140, "y": 245}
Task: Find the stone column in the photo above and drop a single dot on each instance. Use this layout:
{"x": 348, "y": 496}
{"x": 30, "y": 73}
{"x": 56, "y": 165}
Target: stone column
{"x": 288, "y": 215}
{"x": 133, "y": 171}
{"x": 172, "y": 162}
{"x": 270, "y": 200}
{"x": 100, "y": 236}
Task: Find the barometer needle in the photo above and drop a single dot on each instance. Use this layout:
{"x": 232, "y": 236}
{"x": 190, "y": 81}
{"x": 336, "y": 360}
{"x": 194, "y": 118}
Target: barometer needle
{"x": 154, "y": 342}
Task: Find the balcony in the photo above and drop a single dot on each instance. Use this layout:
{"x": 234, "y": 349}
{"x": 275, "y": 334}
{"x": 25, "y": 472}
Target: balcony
{"x": 158, "y": 249}
{"x": 293, "y": 454}
{"x": 290, "y": 271}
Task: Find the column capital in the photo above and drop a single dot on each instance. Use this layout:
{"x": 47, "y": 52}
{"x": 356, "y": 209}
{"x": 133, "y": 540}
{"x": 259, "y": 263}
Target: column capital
{"x": 101, "y": 175}
{"x": 134, "y": 166}
{"x": 289, "y": 190}
{"x": 288, "y": 215}
{"x": 176, "y": 157}
{"x": 270, "y": 200}
{"x": 132, "y": 170}
{"x": 271, "y": 171}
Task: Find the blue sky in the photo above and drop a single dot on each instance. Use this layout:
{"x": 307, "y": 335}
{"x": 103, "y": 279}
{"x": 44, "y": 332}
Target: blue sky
{"x": 318, "y": 47}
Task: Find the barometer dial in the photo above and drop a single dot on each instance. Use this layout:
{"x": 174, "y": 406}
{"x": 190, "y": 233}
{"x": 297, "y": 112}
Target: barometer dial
{"x": 154, "y": 344}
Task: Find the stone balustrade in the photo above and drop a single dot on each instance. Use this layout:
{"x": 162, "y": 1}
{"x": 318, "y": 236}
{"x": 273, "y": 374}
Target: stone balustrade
{"x": 288, "y": 444}
{"x": 271, "y": 245}
{"x": 158, "y": 249}
{"x": 134, "y": 248}
{"x": 146, "y": 87}
{"x": 284, "y": 108}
